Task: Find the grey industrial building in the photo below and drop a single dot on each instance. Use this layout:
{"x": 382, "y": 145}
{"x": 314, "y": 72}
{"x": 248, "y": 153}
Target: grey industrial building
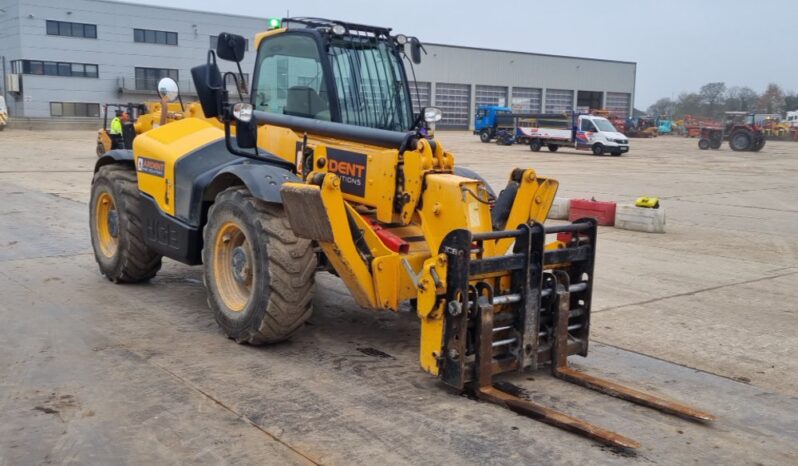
{"x": 64, "y": 59}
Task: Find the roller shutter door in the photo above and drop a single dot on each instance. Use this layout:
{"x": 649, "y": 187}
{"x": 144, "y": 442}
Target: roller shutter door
{"x": 619, "y": 103}
{"x": 420, "y": 95}
{"x": 559, "y": 100}
{"x": 454, "y": 100}
{"x": 526, "y": 100}
{"x": 491, "y": 95}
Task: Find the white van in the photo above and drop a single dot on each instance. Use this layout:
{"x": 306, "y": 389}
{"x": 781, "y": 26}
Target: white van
{"x": 586, "y": 132}
{"x": 3, "y": 113}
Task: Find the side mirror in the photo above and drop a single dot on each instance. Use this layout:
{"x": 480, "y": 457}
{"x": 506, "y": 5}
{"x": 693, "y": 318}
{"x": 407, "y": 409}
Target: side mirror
{"x": 167, "y": 89}
{"x": 231, "y": 47}
{"x": 208, "y": 82}
{"x": 415, "y": 50}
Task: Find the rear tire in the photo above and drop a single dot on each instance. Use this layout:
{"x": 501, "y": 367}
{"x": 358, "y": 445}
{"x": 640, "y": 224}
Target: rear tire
{"x": 740, "y": 141}
{"x": 484, "y": 135}
{"x": 703, "y": 144}
{"x": 117, "y": 226}
{"x": 553, "y": 147}
{"x": 259, "y": 276}
{"x": 535, "y": 145}
{"x": 598, "y": 149}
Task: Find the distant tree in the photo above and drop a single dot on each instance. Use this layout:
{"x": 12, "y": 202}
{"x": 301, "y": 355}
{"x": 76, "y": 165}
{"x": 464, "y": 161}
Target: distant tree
{"x": 712, "y": 96}
{"x": 741, "y": 99}
{"x": 791, "y": 102}
{"x": 663, "y": 106}
{"x": 688, "y": 104}
{"x": 772, "y": 100}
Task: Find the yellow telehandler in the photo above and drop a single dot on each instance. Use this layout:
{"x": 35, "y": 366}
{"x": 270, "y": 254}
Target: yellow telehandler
{"x": 326, "y": 167}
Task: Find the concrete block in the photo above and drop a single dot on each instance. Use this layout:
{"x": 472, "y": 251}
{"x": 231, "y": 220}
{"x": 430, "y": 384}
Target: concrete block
{"x": 560, "y": 208}
{"x": 631, "y": 217}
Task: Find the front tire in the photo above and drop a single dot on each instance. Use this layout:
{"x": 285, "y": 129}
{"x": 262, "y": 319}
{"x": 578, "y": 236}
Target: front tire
{"x": 598, "y": 149}
{"x": 259, "y": 276}
{"x": 703, "y": 144}
{"x": 535, "y": 145}
{"x": 117, "y": 227}
{"x": 484, "y": 135}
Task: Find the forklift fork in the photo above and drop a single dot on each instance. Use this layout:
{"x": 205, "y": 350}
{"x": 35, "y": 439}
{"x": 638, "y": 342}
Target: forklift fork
{"x": 542, "y": 304}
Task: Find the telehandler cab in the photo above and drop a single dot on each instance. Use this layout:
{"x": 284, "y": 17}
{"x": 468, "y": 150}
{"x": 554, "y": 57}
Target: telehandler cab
{"x": 326, "y": 167}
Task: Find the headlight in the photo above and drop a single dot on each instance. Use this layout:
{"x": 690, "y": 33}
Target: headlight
{"x": 432, "y": 114}
{"x": 242, "y": 112}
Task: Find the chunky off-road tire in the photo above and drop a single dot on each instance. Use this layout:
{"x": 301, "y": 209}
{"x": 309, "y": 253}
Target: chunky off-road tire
{"x": 535, "y": 145}
{"x": 117, "y": 227}
{"x": 740, "y": 141}
{"x": 759, "y": 143}
{"x": 553, "y": 147}
{"x": 598, "y": 149}
{"x": 258, "y": 274}
{"x": 485, "y": 135}
{"x": 704, "y": 144}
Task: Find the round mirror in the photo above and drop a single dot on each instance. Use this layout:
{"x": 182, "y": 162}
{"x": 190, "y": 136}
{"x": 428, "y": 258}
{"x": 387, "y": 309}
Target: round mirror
{"x": 167, "y": 89}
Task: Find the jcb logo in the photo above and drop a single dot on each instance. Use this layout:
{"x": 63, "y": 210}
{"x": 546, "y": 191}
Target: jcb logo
{"x": 351, "y": 168}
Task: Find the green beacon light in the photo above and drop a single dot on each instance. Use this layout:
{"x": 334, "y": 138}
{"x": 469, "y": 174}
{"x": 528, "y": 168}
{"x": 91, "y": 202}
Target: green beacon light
{"x": 274, "y": 23}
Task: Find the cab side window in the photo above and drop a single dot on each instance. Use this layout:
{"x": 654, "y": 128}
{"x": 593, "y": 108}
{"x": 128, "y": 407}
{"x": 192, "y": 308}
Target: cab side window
{"x": 587, "y": 125}
{"x": 290, "y": 78}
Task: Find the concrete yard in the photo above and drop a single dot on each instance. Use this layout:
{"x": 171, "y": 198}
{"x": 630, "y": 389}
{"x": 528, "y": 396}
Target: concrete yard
{"x": 707, "y": 313}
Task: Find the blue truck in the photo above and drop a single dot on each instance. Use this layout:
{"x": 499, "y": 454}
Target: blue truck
{"x": 486, "y": 121}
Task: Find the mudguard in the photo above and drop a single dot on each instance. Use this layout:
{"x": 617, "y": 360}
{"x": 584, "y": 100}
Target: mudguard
{"x": 263, "y": 180}
{"x": 114, "y": 156}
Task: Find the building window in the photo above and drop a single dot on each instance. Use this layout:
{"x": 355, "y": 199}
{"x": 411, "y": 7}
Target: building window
{"x": 149, "y": 36}
{"x": 74, "y": 109}
{"x": 147, "y": 78}
{"x": 215, "y": 40}
{"x": 64, "y": 28}
{"x": 52, "y": 68}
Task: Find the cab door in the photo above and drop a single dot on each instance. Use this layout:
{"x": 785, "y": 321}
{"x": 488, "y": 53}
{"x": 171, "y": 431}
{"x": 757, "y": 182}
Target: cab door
{"x": 585, "y": 133}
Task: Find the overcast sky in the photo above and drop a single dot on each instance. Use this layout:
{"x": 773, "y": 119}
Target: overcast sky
{"x": 678, "y": 44}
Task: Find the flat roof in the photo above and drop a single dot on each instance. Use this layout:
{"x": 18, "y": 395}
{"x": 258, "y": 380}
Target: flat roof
{"x": 190, "y": 10}
{"x": 528, "y": 53}
{"x": 146, "y": 5}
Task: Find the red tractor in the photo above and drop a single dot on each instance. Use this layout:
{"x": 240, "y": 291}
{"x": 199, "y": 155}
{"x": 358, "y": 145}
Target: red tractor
{"x": 739, "y": 129}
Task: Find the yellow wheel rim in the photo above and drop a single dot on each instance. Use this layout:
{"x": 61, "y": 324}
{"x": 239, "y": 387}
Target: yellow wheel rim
{"x": 107, "y": 224}
{"x": 233, "y": 266}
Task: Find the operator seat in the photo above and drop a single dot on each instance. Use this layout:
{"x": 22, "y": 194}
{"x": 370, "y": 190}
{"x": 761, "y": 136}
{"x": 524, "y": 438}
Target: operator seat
{"x": 304, "y": 101}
